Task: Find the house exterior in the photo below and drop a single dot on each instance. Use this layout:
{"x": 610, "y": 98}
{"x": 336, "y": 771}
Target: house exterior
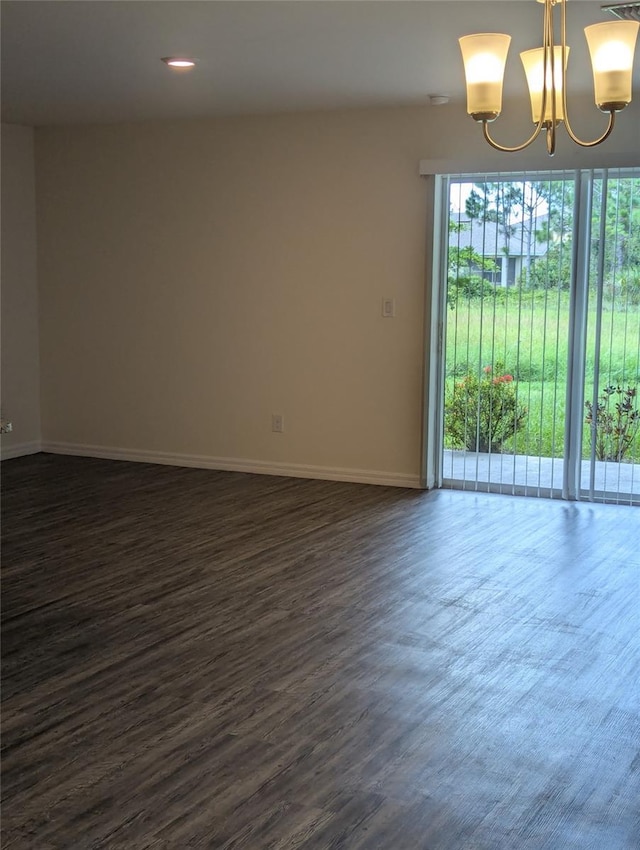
{"x": 510, "y": 252}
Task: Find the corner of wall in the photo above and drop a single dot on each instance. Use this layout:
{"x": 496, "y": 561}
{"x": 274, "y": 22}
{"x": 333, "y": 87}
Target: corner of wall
{"x": 20, "y": 321}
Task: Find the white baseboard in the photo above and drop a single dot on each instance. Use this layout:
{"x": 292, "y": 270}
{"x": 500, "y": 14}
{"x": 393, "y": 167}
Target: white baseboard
{"x": 20, "y": 450}
{"x": 290, "y": 470}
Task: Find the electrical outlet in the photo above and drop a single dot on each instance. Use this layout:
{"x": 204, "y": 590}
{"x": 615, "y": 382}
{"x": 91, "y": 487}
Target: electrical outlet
{"x": 6, "y": 427}
{"x": 277, "y": 423}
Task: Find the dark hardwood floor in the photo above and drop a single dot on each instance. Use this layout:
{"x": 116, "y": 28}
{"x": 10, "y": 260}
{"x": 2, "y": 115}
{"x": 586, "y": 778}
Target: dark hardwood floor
{"x": 198, "y": 659}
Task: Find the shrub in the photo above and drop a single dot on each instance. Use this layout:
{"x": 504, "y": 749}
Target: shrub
{"x": 614, "y": 428}
{"x": 630, "y": 289}
{"x": 457, "y": 370}
{"x": 468, "y": 287}
{"x": 528, "y": 370}
{"x": 482, "y": 411}
{"x": 621, "y": 293}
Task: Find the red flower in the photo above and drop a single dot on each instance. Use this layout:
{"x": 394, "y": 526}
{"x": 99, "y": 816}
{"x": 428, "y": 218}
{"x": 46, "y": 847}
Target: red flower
{"x": 487, "y": 369}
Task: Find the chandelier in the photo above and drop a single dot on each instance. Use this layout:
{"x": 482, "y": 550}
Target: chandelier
{"x": 611, "y": 48}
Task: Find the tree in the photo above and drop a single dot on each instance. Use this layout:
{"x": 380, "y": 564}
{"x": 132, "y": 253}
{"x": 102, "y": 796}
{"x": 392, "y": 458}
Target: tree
{"x": 514, "y": 207}
{"x": 621, "y": 236}
{"x": 553, "y": 270}
{"x": 465, "y": 274}
{"x": 541, "y": 213}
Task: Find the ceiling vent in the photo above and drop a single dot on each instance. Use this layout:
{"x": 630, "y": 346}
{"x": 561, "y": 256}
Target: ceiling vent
{"x": 626, "y": 11}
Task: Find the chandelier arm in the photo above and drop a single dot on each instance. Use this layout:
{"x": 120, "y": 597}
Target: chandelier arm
{"x": 504, "y": 148}
{"x": 600, "y": 139}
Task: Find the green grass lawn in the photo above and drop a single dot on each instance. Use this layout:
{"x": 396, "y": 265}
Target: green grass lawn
{"x": 528, "y": 334}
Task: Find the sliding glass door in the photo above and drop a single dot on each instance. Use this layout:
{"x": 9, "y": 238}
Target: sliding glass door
{"x": 541, "y": 334}
{"x": 611, "y": 438}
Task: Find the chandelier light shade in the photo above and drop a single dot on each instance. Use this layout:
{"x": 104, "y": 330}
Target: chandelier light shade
{"x": 611, "y": 49}
{"x": 484, "y": 59}
{"x": 533, "y": 61}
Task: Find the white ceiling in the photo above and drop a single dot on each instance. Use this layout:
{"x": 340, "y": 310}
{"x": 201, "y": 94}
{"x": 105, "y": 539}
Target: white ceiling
{"x": 78, "y": 61}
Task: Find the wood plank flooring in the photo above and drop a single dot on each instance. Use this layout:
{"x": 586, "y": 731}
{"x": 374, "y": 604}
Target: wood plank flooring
{"x": 194, "y": 659}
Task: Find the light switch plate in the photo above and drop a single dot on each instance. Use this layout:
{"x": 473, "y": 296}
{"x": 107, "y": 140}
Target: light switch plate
{"x": 388, "y": 308}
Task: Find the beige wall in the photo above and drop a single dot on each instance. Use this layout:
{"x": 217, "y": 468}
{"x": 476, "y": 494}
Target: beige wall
{"x": 20, "y": 367}
{"x": 196, "y": 277}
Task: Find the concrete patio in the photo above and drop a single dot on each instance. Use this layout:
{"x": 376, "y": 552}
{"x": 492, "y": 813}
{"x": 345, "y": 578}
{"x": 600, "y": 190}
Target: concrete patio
{"x": 619, "y": 482}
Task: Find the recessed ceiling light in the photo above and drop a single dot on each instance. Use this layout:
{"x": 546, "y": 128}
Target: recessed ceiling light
{"x": 180, "y": 62}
